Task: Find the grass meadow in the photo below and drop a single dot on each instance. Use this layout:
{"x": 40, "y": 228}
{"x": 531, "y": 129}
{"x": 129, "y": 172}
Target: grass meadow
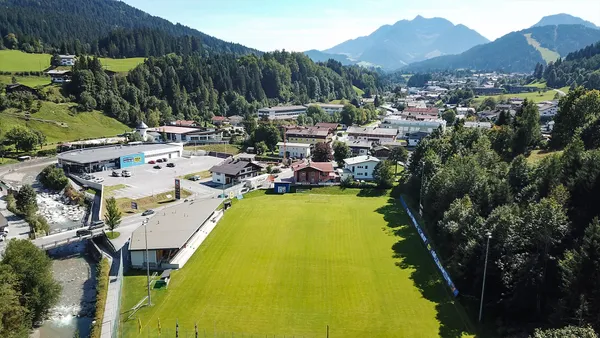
{"x": 291, "y": 265}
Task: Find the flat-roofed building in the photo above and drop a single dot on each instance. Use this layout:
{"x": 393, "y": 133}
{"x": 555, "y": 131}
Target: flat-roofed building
{"x": 311, "y": 135}
{"x": 371, "y": 134}
{"x": 328, "y": 107}
{"x": 405, "y": 126}
{"x": 281, "y": 112}
{"x": 359, "y": 147}
{"x": 116, "y": 157}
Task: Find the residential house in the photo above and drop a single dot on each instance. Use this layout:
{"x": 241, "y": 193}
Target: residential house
{"x": 59, "y": 76}
{"x": 548, "y": 108}
{"x": 236, "y": 120}
{"x": 234, "y": 171}
{"x": 219, "y": 120}
{"x": 310, "y": 135}
{"x": 294, "y": 150}
{"x": 281, "y": 112}
{"x": 415, "y": 138}
{"x": 381, "y": 152}
{"x": 332, "y": 127}
{"x": 372, "y": 134}
{"x": 414, "y": 111}
{"x": 314, "y": 173}
{"x": 67, "y": 60}
{"x": 359, "y": 147}
{"x": 21, "y": 88}
{"x": 361, "y": 167}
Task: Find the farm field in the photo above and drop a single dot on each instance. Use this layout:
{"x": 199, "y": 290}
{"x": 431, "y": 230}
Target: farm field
{"x": 31, "y": 81}
{"x": 293, "y": 264}
{"x": 76, "y": 126}
{"x": 17, "y": 61}
{"x": 535, "y": 96}
{"x": 222, "y": 148}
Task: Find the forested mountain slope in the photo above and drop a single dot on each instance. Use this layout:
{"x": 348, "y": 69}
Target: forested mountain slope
{"x": 578, "y": 68}
{"x": 512, "y": 52}
{"x": 85, "y": 26}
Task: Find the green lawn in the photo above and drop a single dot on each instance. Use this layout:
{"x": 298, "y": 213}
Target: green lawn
{"x": 537, "y": 155}
{"x": 535, "y": 96}
{"x": 358, "y": 91}
{"x": 4, "y": 161}
{"x": 17, "y": 61}
{"x": 31, "y": 81}
{"x": 293, "y": 264}
{"x": 76, "y": 125}
{"x": 121, "y": 65}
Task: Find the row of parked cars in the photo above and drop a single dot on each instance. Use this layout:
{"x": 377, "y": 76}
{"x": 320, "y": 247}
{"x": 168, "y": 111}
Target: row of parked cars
{"x": 162, "y": 160}
{"x": 123, "y": 173}
{"x": 90, "y": 177}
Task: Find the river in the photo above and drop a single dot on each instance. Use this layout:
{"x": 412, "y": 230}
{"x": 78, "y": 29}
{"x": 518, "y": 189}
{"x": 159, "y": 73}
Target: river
{"x": 76, "y": 272}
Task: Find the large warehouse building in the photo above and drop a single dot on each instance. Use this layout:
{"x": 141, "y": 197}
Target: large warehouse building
{"x": 116, "y": 157}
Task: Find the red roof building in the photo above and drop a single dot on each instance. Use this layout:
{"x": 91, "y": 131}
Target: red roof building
{"x": 314, "y": 173}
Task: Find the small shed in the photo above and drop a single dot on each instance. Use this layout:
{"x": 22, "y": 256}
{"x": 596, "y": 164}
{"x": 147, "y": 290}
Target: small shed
{"x": 165, "y": 277}
{"x": 282, "y": 187}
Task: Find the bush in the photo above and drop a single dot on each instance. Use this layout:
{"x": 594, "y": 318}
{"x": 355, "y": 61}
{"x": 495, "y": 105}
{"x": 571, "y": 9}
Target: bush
{"x": 53, "y": 178}
{"x": 46, "y": 152}
{"x": 101, "y": 293}
{"x": 11, "y": 204}
{"x": 275, "y": 171}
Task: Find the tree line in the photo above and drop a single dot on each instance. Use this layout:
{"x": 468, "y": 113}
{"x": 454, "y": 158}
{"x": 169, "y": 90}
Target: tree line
{"x": 580, "y": 68}
{"x": 543, "y": 217}
{"x": 197, "y": 87}
{"x": 85, "y": 26}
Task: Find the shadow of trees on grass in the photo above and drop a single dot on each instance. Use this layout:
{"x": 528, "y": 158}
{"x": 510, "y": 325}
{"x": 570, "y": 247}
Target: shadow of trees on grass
{"x": 410, "y": 253}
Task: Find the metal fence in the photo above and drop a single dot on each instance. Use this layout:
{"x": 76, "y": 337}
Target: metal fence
{"x": 117, "y": 321}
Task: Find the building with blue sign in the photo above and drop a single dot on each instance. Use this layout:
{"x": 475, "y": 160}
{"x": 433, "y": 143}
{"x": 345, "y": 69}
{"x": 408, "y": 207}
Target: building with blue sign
{"x": 116, "y": 157}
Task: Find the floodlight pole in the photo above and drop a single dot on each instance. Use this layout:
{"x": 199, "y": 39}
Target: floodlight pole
{"x": 487, "y": 249}
{"x": 145, "y": 222}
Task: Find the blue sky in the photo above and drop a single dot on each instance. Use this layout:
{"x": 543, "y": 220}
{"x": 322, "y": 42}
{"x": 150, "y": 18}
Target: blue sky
{"x": 300, "y": 25}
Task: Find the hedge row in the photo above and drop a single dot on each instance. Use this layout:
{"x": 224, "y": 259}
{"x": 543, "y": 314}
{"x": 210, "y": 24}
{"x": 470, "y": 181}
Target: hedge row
{"x": 101, "y": 293}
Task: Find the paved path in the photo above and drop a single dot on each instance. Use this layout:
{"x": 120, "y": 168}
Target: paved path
{"x": 560, "y": 92}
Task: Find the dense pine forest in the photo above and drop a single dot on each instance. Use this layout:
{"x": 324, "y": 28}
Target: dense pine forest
{"x": 99, "y": 27}
{"x": 196, "y": 87}
{"x": 578, "y": 68}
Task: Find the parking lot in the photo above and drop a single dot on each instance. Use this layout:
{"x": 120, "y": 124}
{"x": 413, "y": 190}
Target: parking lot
{"x": 147, "y": 181}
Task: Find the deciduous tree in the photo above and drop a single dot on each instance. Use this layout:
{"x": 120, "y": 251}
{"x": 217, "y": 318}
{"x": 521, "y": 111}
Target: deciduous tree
{"x": 322, "y": 152}
{"x": 112, "y": 217}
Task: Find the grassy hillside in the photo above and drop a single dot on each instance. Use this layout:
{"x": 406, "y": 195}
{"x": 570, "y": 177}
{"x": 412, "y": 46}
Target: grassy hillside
{"x": 535, "y": 96}
{"x": 17, "y": 61}
{"x": 358, "y": 91}
{"x": 121, "y": 65}
{"x": 547, "y": 54}
{"x": 31, "y": 81}
{"x": 74, "y": 126}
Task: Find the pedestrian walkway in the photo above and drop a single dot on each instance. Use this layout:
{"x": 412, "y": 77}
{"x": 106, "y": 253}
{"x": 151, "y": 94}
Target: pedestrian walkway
{"x": 111, "y": 318}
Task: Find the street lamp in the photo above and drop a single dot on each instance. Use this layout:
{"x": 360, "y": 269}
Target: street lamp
{"x": 487, "y": 249}
{"x": 145, "y": 223}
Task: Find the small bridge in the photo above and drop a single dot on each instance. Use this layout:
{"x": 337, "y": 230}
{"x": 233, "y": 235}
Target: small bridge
{"x": 65, "y": 238}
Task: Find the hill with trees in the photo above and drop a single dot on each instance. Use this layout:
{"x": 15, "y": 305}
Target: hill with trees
{"x": 196, "y": 87}
{"x": 514, "y": 52}
{"x": 578, "y": 68}
{"x": 99, "y": 27}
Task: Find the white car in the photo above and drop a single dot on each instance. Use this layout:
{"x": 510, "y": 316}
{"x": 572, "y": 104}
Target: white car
{"x": 126, "y": 173}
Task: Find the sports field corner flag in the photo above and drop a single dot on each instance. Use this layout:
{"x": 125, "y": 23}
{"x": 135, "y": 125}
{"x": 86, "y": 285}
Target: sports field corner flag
{"x": 139, "y": 325}
{"x": 159, "y": 329}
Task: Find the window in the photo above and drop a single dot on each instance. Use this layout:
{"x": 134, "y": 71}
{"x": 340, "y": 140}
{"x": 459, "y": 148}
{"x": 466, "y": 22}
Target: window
{"x": 366, "y": 167}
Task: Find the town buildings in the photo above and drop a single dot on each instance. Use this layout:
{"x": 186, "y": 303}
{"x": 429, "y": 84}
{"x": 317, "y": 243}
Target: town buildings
{"x": 371, "y": 134}
{"x": 361, "y": 167}
{"x": 234, "y": 171}
{"x": 294, "y": 150}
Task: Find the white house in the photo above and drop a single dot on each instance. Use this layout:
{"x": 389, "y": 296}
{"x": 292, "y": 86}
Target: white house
{"x": 361, "y": 167}
{"x": 297, "y": 150}
{"x": 406, "y": 126}
{"x": 415, "y": 138}
{"x": 67, "y": 60}
{"x": 59, "y": 76}
{"x": 548, "y": 108}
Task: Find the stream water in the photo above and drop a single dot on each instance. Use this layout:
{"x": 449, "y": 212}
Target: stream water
{"x": 76, "y": 272}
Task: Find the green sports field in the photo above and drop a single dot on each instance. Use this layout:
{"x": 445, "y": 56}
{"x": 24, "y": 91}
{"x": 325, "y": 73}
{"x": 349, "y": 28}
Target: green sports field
{"x": 293, "y": 264}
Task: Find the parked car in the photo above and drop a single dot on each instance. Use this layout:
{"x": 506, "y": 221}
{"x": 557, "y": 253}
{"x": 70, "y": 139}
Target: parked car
{"x": 171, "y": 165}
{"x": 159, "y": 160}
{"x": 116, "y": 174}
{"x": 125, "y": 173}
{"x": 164, "y": 159}
{"x": 157, "y": 167}
{"x": 96, "y": 225}
{"x": 195, "y": 178}
{"x": 5, "y": 230}
{"x": 148, "y": 212}
{"x": 83, "y": 232}
{"x": 152, "y": 162}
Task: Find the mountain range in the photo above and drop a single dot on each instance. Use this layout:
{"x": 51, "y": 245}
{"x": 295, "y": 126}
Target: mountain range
{"x": 406, "y": 41}
{"x": 423, "y": 44}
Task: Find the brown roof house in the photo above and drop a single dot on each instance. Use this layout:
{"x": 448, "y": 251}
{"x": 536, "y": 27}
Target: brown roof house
{"x": 315, "y": 173}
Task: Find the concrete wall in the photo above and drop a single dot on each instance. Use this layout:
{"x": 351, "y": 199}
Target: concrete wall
{"x": 90, "y": 184}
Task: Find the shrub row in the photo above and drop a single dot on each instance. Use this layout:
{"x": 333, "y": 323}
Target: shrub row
{"x": 101, "y": 293}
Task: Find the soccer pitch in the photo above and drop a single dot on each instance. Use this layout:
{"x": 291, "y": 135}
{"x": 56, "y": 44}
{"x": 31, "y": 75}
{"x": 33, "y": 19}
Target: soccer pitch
{"x": 293, "y": 264}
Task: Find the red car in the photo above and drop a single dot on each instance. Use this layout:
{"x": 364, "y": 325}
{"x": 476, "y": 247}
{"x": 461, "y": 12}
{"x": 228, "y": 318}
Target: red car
{"x": 159, "y": 160}
{"x": 152, "y": 162}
